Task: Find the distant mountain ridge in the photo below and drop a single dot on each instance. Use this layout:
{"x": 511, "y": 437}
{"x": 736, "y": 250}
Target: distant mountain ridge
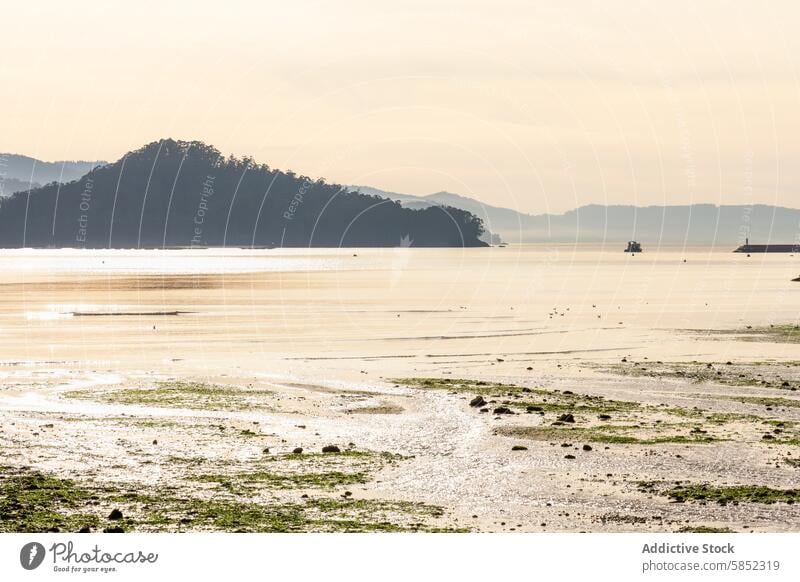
{"x": 179, "y": 194}
{"x": 700, "y": 224}
{"x": 18, "y": 172}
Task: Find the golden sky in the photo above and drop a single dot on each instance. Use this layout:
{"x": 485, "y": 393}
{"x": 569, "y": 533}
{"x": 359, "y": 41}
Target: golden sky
{"x": 536, "y": 105}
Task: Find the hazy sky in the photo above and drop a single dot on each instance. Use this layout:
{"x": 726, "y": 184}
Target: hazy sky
{"x": 537, "y": 105}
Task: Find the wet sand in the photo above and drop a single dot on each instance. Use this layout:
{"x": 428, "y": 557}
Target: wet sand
{"x": 174, "y": 386}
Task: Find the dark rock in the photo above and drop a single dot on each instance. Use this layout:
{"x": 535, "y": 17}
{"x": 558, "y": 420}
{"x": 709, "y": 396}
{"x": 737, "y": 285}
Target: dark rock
{"x": 503, "y": 410}
{"x": 330, "y": 449}
{"x": 569, "y": 456}
{"x": 604, "y": 416}
{"x": 477, "y": 402}
{"x": 566, "y": 417}
{"x": 115, "y": 515}
{"x": 587, "y": 448}
{"x": 155, "y": 442}
{"x": 532, "y": 408}
{"x": 85, "y": 529}
{"x": 298, "y": 450}
{"x": 519, "y": 448}
{"x": 115, "y": 529}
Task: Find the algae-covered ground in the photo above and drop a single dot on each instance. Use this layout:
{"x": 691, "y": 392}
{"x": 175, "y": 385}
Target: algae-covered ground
{"x": 31, "y": 501}
{"x": 612, "y": 451}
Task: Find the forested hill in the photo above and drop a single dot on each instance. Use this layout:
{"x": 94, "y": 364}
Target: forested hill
{"x": 180, "y": 194}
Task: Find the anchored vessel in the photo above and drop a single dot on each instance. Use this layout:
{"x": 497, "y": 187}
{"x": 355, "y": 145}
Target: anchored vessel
{"x": 633, "y": 247}
{"x": 748, "y": 248}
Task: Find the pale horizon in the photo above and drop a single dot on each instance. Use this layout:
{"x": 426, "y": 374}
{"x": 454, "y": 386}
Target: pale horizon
{"x": 536, "y": 108}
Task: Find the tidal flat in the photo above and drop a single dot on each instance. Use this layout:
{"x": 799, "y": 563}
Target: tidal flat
{"x": 540, "y": 389}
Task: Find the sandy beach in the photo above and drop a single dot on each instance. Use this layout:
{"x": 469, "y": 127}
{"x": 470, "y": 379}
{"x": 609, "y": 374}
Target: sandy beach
{"x": 529, "y": 388}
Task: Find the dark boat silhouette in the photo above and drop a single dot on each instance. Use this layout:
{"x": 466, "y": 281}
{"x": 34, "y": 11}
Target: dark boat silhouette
{"x": 633, "y": 247}
{"x": 769, "y": 248}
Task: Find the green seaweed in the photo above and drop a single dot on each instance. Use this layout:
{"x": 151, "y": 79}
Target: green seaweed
{"x": 705, "y": 493}
{"x": 192, "y": 395}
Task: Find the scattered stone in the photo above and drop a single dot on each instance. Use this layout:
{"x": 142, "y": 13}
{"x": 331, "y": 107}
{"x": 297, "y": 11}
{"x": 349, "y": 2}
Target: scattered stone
{"x": 587, "y": 447}
{"x": 569, "y": 456}
{"x": 477, "y": 402}
{"x": 155, "y": 441}
{"x": 604, "y": 416}
{"x": 85, "y": 529}
{"x": 566, "y": 417}
{"x": 519, "y": 448}
{"x": 115, "y": 515}
{"x": 502, "y": 410}
{"x": 115, "y": 529}
{"x": 330, "y": 449}
{"x": 298, "y": 451}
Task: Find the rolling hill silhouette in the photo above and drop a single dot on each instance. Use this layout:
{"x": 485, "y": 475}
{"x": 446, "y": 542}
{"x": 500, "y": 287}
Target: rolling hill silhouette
{"x": 179, "y": 194}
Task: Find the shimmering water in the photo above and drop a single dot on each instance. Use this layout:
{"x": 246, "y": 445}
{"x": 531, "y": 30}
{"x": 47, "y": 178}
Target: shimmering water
{"x": 404, "y": 310}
